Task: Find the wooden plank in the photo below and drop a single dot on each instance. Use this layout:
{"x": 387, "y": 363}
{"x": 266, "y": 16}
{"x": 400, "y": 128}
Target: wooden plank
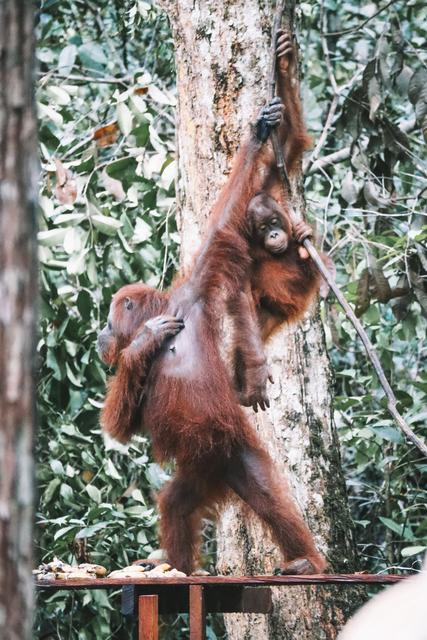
{"x": 197, "y": 613}
{"x": 250, "y": 581}
{"x": 148, "y": 618}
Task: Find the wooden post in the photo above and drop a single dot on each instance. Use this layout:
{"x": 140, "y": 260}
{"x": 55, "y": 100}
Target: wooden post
{"x": 197, "y": 613}
{"x": 148, "y": 618}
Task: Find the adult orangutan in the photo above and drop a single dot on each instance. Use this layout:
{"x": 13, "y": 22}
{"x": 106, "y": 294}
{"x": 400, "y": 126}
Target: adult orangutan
{"x": 172, "y": 382}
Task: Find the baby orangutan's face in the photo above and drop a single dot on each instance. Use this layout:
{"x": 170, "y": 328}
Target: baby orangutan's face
{"x": 269, "y": 226}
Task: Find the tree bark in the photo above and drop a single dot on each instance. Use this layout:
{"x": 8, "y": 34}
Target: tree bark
{"x": 18, "y": 291}
{"x": 223, "y": 60}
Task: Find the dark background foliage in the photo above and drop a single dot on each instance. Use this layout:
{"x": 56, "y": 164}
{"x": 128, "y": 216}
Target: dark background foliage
{"x": 106, "y": 104}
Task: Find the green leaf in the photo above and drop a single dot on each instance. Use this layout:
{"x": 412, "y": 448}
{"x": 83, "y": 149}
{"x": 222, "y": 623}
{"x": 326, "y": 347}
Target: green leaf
{"x": 84, "y": 305}
{"x": 412, "y": 551}
{"x": 416, "y": 84}
{"x": 57, "y": 467}
{"x": 417, "y": 417}
{"x": 156, "y": 475}
{"x": 58, "y": 95}
{"x": 71, "y": 376}
{"x": 124, "y": 118}
{"x": 168, "y": 175}
{"x": 92, "y": 55}
{"x": 389, "y": 433}
{"x": 74, "y": 240}
{"x": 124, "y": 242}
{"x": 69, "y": 218}
{"x": 61, "y": 532}
{"x": 138, "y": 510}
{"x": 94, "y": 493}
{"x": 142, "y": 231}
{"x": 52, "y": 237}
{"x": 87, "y": 532}
{"x": 66, "y": 491}
{"x": 50, "y": 490}
{"x": 349, "y": 189}
{"x": 106, "y": 225}
{"x": 111, "y": 470}
{"x": 374, "y": 95}
{"x": 76, "y": 265}
{"x": 46, "y": 111}
{"x": 101, "y": 599}
{"x": 159, "y": 96}
{"x": 57, "y": 366}
{"x": 137, "y": 495}
{"x": 397, "y": 528}
{"x": 66, "y": 59}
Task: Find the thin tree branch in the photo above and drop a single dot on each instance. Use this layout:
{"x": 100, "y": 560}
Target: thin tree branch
{"x": 362, "y": 24}
{"x": 125, "y": 81}
{"x": 332, "y": 158}
{"x": 322, "y": 138}
{"x": 344, "y": 153}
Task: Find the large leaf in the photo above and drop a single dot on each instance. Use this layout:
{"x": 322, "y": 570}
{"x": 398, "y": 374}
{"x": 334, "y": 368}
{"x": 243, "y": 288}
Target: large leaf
{"x": 107, "y": 225}
{"x": 92, "y": 55}
{"x": 66, "y": 59}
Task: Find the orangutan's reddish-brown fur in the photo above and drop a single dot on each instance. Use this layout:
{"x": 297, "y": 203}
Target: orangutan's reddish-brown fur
{"x": 284, "y": 286}
{"x": 192, "y": 414}
{"x": 178, "y": 389}
{"x": 278, "y": 288}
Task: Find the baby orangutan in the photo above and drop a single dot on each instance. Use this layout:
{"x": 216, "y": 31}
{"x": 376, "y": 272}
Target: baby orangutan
{"x": 282, "y": 281}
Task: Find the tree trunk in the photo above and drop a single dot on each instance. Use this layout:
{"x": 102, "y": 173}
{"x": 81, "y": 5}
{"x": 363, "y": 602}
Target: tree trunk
{"x": 18, "y": 290}
{"x": 223, "y": 58}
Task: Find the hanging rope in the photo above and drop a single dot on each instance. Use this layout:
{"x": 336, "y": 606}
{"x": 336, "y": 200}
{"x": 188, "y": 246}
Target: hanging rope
{"x": 372, "y": 355}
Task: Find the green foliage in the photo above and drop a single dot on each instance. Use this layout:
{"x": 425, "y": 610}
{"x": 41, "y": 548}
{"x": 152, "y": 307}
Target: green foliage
{"x": 370, "y": 211}
{"x": 107, "y": 218}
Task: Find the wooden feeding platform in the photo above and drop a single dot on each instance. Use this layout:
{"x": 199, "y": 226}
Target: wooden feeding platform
{"x": 147, "y": 598}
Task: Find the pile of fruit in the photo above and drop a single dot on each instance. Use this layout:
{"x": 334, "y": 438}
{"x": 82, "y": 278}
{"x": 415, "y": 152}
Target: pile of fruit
{"x": 147, "y": 569}
{"x": 58, "y": 570}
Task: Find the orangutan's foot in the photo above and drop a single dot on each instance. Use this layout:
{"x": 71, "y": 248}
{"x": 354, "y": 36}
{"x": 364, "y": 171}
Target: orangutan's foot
{"x": 302, "y": 567}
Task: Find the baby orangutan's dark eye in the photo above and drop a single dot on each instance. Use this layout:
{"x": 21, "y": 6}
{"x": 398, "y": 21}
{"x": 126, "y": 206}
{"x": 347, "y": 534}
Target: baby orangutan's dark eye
{"x": 128, "y": 304}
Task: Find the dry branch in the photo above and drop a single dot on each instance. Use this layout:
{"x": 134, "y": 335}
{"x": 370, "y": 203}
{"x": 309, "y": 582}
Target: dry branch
{"x": 343, "y": 154}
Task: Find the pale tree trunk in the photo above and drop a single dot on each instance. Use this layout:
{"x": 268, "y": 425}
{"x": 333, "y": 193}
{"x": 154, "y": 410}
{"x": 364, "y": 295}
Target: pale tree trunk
{"x": 18, "y": 291}
{"x": 223, "y": 58}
